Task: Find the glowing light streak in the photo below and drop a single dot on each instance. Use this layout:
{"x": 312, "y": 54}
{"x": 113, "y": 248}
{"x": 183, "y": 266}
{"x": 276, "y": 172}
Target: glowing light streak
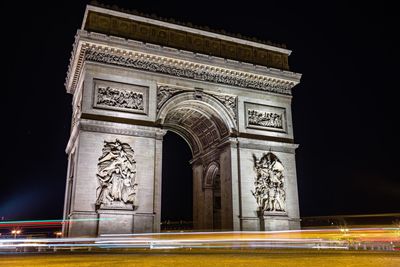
{"x": 385, "y": 238}
{"x": 47, "y": 222}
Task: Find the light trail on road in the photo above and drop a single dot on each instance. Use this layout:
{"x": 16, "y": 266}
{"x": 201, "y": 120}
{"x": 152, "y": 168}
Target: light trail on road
{"x": 321, "y": 239}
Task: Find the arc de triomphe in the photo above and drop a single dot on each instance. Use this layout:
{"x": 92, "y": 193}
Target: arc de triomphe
{"x": 133, "y": 79}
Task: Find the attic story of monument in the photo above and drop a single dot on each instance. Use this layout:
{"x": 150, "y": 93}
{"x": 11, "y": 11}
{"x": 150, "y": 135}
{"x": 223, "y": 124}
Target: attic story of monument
{"x": 133, "y": 79}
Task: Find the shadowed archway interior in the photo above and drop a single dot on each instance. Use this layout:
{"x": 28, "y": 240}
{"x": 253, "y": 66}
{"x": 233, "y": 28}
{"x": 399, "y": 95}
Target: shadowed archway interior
{"x": 204, "y": 129}
{"x": 176, "y": 179}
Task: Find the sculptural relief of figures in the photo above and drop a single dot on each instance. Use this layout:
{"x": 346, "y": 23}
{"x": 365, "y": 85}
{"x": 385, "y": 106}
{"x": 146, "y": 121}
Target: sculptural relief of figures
{"x": 164, "y": 93}
{"x": 269, "y": 184}
{"x": 265, "y": 119}
{"x": 120, "y": 98}
{"x": 229, "y": 102}
{"x": 116, "y": 175}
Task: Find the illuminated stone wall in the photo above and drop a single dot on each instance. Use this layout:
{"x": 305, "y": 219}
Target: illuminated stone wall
{"x": 229, "y": 112}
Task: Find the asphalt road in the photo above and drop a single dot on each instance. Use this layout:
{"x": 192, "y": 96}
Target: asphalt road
{"x": 204, "y": 257}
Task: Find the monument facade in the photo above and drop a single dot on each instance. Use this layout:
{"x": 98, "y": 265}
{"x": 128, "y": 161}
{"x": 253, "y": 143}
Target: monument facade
{"x": 133, "y": 79}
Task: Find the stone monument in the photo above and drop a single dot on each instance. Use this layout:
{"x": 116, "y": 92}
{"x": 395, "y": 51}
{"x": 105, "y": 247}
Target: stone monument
{"x": 134, "y": 78}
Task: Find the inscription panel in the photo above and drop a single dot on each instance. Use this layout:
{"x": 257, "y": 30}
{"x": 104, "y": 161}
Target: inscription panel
{"x": 120, "y": 97}
{"x": 265, "y": 117}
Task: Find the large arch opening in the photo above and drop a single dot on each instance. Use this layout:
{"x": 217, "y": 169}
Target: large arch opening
{"x": 204, "y": 123}
{"x": 177, "y": 184}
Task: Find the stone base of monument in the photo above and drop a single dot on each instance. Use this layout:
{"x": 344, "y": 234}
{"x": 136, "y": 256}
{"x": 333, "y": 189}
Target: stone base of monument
{"x": 269, "y": 221}
{"x": 81, "y": 224}
{"x": 274, "y": 222}
{"x": 123, "y": 221}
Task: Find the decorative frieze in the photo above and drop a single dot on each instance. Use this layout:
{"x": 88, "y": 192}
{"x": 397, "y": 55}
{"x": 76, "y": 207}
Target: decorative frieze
{"x": 120, "y": 97}
{"x": 269, "y": 184}
{"x": 265, "y": 117}
{"x": 189, "y": 70}
{"x": 116, "y": 176}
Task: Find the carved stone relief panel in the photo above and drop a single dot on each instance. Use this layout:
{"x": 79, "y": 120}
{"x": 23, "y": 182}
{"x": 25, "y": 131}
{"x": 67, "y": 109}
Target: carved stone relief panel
{"x": 165, "y": 92}
{"x": 76, "y": 110}
{"x": 269, "y": 184}
{"x": 120, "y": 96}
{"x": 116, "y": 176}
{"x": 265, "y": 117}
{"x": 229, "y": 101}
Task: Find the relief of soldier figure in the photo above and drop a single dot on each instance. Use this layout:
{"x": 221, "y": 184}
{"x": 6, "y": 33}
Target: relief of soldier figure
{"x": 269, "y": 184}
{"x": 116, "y": 175}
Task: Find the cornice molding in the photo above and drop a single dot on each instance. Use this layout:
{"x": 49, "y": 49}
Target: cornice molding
{"x": 267, "y": 145}
{"x": 104, "y": 49}
{"x": 121, "y": 129}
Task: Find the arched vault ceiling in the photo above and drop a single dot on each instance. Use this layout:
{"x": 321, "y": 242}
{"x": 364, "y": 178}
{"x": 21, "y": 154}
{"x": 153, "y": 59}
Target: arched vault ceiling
{"x": 203, "y": 128}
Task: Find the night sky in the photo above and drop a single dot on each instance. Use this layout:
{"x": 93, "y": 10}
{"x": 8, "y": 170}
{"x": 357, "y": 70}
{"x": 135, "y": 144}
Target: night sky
{"x": 344, "y": 110}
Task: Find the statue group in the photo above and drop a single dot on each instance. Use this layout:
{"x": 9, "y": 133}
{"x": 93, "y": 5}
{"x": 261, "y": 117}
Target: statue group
{"x": 116, "y": 175}
{"x": 269, "y": 189}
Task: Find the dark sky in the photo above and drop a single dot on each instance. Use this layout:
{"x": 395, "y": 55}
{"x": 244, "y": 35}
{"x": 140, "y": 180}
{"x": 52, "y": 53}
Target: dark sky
{"x": 345, "y": 110}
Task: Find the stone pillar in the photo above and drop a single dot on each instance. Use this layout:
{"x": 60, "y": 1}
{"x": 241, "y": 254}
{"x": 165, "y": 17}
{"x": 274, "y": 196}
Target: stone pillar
{"x": 235, "y": 181}
{"x": 158, "y": 182}
{"x": 292, "y": 203}
{"x": 198, "y": 197}
{"x": 225, "y": 160}
{"x": 251, "y": 218}
{"x": 68, "y": 191}
{"x": 116, "y": 217}
{"x": 208, "y": 208}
